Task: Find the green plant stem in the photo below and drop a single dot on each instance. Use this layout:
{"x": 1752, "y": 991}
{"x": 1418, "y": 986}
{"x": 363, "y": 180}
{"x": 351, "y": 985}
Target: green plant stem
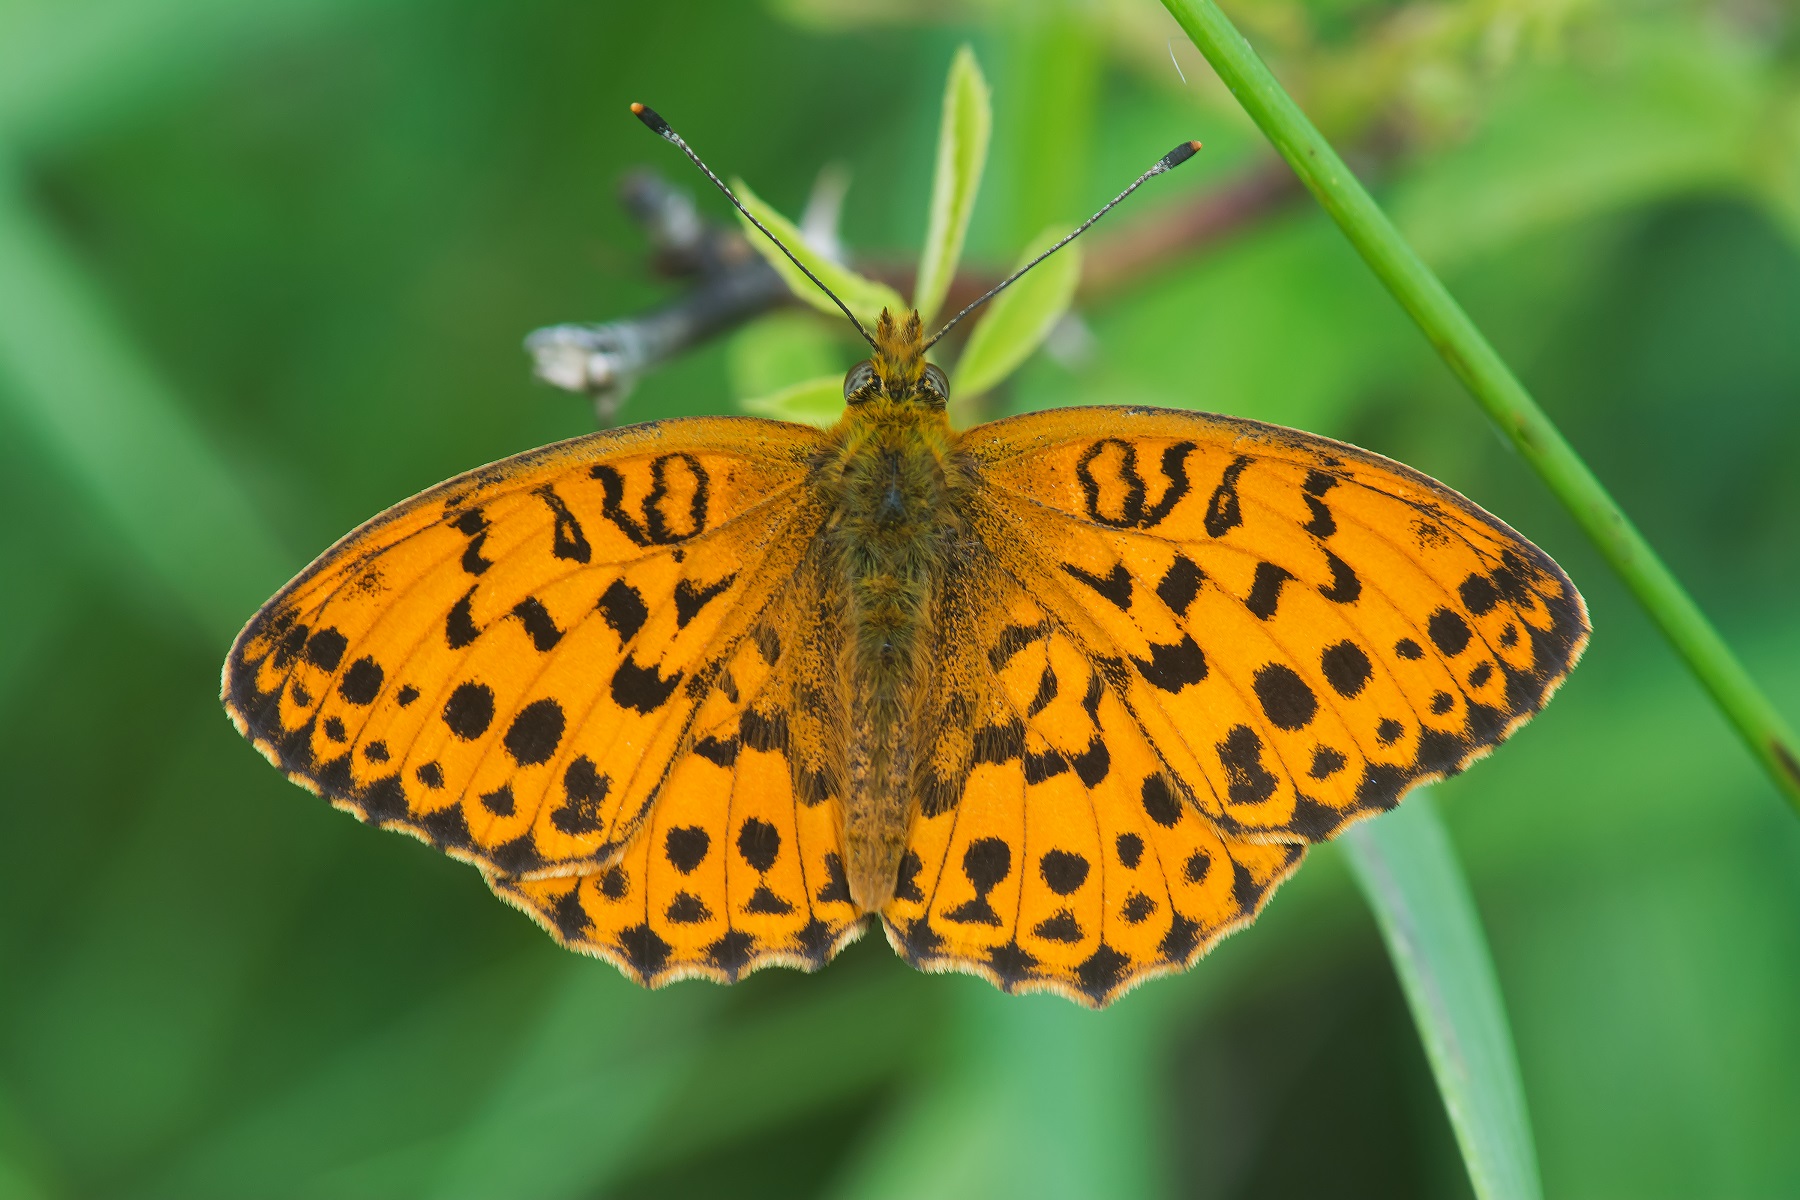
{"x": 1495, "y": 388}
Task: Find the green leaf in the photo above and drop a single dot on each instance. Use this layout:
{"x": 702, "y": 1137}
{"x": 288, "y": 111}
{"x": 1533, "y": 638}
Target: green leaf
{"x": 961, "y": 154}
{"x": 816, "y": 402}
{"x": 1020, "y": 318}
{"x": 864, "y": 297}
{"x": 780, "y": 350}
{"x": 1410, "y": 875}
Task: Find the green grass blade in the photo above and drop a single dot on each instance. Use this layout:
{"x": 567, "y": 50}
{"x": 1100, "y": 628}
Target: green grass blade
{"x": 1499, "y": 392}
{"x": 864, "y": 297}
{"x": 962, "y": 148}
{"x": 1019, "y": 319}
{"x": 811, "y": 402}
{"x": 1410, "y": 875}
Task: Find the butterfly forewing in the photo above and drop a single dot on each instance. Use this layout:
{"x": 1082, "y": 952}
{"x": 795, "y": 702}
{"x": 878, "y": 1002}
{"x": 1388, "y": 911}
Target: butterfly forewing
{"x": 507, "y": 664}
{"x": 1302, "y": 630}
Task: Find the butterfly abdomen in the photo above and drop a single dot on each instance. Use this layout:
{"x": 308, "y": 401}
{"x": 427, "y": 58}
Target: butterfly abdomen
{"x": 888, "y": 482}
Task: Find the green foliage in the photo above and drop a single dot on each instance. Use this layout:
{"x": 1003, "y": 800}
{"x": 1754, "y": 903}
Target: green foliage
{"x": 1019, "y": 319}
{"x": 961, "y": 155}
{"x": 315, "y": 233}
{"x": 864, "y": 297}
{"x": 817, "y": 401}
{"x": 1409, "y": 873}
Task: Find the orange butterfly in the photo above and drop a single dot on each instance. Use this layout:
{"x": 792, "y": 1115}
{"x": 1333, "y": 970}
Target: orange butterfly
{"x": 1060, "y": 699}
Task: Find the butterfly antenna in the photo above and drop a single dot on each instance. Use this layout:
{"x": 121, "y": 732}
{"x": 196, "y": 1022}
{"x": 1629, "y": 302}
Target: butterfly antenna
{"x": 660, "y": 127}
{"x": 1167, "y": 162}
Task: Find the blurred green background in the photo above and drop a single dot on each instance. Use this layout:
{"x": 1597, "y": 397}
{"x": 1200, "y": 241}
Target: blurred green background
{"x": 264, "y": 270}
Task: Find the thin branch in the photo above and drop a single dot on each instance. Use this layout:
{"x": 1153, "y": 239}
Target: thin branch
{"x": 730, "y": 284}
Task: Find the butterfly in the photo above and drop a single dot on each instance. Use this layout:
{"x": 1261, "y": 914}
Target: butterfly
{"x": 1058, "y": 700}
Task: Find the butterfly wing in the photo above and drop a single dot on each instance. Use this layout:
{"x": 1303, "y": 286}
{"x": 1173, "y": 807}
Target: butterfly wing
{"x": 510, "y": 665}
{"x": 1272, "y": 635}
{"x": 740, "y": 864}
{"x": 1054, "y": 854}
{"x": 1303, "y": 630}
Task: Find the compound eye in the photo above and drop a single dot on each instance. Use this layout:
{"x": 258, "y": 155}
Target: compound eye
{"x": 935, "y": 383}
{"x": 861, "y": 376}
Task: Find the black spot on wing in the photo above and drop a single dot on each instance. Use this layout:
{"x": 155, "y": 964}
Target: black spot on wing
{"x": 567, "y": 539}
{"x": 1223, "y": 512}
{"x": 1160, "y": 802}
{"x": 1092, "y": 764}
{"x": 536, "y": 619}
{"x": 985, "y": 864}
{"x": 1247, "y": 780}
{"x": 836, "y": 889}
{"x": 459, "y": 626}
{"x": 1061, "y": 926}
{"x": 1063, "y": 871}
{"x": 686, "y": 847}
{"x": 1285, "y": 698}
{"x": 469, "y": 710}
{"x": 1040, "y": 767}
{"x": 535, "y": 732}
{"x": 622, "y": 608}
{"x": 643, "y": 951}
{"x": 690, "y": 598}
{"x": 1347, "y": 669}
{"x": 1449, "y": 632}
{"x": 998, "y": 743}
{"x": 1265, "y": 589}
{"x": 731, "y": 953}
{"x": 570, "y": 917}
{"x": 1114, "y": 587}
{"x": 1102, "y": 972}
{"x": 1180, "y": 584}
{"x": 759, "y": 843}
{"x": 1326, "y": 762}
{"x": 764, "y": 731}
{"x": 1173, "y": 666}
{"x": 1479, "y": 595}
{"x": 584, "y": 787}
{"x": 1322, "y": 524}
{"x": 325, "y": 649}
{"x": 362, "y": 682}
{"x": 1345, "y": 587}
{"x": 1013, "y": 639}
{"x": 721, "y": 752}
{"x": 642, "y": 688}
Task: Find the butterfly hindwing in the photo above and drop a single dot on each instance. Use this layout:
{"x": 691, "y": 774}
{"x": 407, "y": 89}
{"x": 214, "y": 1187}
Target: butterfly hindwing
{"x": 508, "y": 664}
{"x": 1065, "y": 861}
{"x": 1302, "y": 630}
{"x": 740, "y": 863}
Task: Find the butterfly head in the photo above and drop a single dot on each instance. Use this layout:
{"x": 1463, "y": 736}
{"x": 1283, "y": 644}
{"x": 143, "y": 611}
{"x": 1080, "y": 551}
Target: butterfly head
{"x": 897, "y": 370}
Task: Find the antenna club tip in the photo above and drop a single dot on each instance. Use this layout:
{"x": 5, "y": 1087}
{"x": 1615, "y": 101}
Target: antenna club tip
{"x": 1177, "y": 156}
{"x": 648, "y": 116}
